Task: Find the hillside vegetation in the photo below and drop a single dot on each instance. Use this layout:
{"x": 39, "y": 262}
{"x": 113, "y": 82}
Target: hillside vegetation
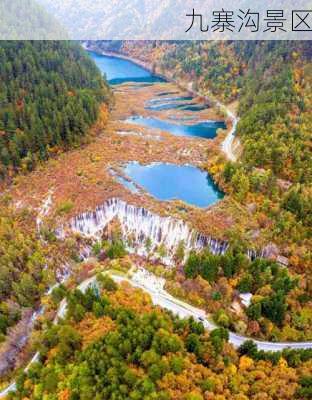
{"x": 50, "y": 93}
{"x": 114, "y": 344}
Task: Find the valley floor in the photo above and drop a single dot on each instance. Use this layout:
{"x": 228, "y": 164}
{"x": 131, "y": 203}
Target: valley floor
{"x": 84, "y": 178}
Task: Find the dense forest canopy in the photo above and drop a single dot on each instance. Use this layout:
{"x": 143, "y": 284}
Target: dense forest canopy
{"x": 22, "y": 275}
{"x": 50, "y": 94}
{"x": 114, "y": 344}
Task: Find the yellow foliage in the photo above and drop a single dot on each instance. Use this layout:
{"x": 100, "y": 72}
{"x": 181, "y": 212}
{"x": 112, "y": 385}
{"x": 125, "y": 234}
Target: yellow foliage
{"x": 52, "y": 353}
{"x": 245, "y": 363}
{"x": 194, "y": 395}
{"x": 28, "y": 384}
{"x": 134, "y": 299}
{"x": 282, "y": 363}
{"x": 215, "y": 169}
{"x": 232, "y": 369}
{"x": 103, "y": 116}
{"x": 92, "y": 328}
{"x": 295, "y": 55}
{"x": 241, "y": 396}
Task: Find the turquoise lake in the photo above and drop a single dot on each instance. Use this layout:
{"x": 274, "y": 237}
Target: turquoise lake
{"x": 170, "y": 105}
{"x": 205, "y": 129}
{"x": 169, "y": 181}
{"x": 118, "y": 71}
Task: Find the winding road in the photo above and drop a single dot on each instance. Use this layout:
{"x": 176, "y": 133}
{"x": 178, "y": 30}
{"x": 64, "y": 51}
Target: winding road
{"x": 184, "y": 310}
{"x": 163, "y": 299}
{"x": 227, "y": 146}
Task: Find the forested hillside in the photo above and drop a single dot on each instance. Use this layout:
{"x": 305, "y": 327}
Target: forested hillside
{"x": 50, "y": 94}
{"x": 115, "y": 345}
{"x": 275, "y": 105}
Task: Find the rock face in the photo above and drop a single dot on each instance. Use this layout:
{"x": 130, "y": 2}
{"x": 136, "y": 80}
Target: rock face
{"x": 271, "y": 251}
{"x": 140, "y": 226}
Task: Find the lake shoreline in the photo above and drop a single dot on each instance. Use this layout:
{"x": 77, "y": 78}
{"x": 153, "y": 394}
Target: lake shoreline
{"x": 227, "y": 144}
{"x": 147, "y": 176}
{"x": 135, "y": 61}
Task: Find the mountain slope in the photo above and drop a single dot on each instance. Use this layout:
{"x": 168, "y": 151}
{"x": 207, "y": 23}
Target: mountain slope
{"x": 113, "y": 344}
{"x": 50, "y": 94}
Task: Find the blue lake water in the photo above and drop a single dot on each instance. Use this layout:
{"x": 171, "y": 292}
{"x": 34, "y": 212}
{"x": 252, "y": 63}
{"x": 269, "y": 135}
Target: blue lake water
{"x": 170, "y": 105}
{"x": 118, "y": 71}
{"x": 167, "y": 106}
{"x": 194, "y": 107}
{"x": 128, "y": 184}
{"x": 206, "y": 129}
{"x": 167, "y": 93}
{"x": 170, "y": 181}
{"x": 170, "y": 99}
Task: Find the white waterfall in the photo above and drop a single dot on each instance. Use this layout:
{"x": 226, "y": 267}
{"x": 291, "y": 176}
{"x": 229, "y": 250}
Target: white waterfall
{"x": 139, "y": 225}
